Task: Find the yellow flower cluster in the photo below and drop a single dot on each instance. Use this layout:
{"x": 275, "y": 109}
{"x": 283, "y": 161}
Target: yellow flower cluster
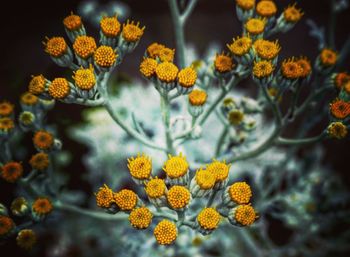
{"x": 132, "y": 32}
{"x": 245, "y": 215}
{"x": 140, "y": 218}
{"x": 140, "y": 167}
{"x": 223, "y": 63}
{"x": 110, "y": 26}
{"x": 176, "y": 166}
{"x": 208, "y": 219}
{"x": 84, "y": 46}
{"x": 85, "y": 78}
{"x": 105, "y": 56}
{"x": 178, "y": 197}
{"x": 240, "y": 192}
{"x": 155, "y": 188}
{"x": 165, "y": 232}
{"x": 59, "y": 88}
{"x": 197, "y": 97}
{"x": 205, "y": 179}
{"x": 219, "y": 169}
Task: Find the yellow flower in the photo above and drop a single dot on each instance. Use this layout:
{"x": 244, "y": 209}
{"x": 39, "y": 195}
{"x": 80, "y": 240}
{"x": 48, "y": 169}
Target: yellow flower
{"x": 26, "y": 238}
{"x": 6, "y": 108}
{"x": 105, "y": 56}
{"x": 167, "y": 72}
{"x": 43, "y": 140}
{"x": 6, "y": 124}
{"x": 11, "y": 171}
{"x": 140, "y": 218}
{"x": 140, "y": 167}
{"x": 148, "y": 67}
{"x": 110, "y": 26}
{"x": 266, "y": 8}
{"x": 205, "y": 179}
{"x": 240, "y": 192}
{"x": 42, "y": 206}
{"x": 85, "y": 78}
{"x": 328, "y": 57}
{"x": 6, "y": 225}
{"x": 154, "y": 50}
{"x": 59, "y": 88}
{"x": 84, "y": 46}
{"x": 246, "y": 4}
{"x": 176, "y": 166}
{"x": 341, "y": 79}
{"x": 255, "y": 26}
{"x": 132, "y": 32}
{"x": 292, "y": 14}
{"x": 104, "y": 197}
{"x": 55, "y": 46}
{"x": 240, "y": 46}
{"x": 187, "y": 77}
{"x": 19, "y": 206}
{"x": 197, "y": 97}
{"x": 337, "y": 130}
{"x": 37, "y": 85}
{"x": 40, "y": 161}
{"x": 29, "y": 99}
{"x": 72, "y": 22}
{"x": 245, "y": 215}
{"x": 223, "y": 63}
{"x": 208, "y": 219}
{"x": 166, "y": 54}
{"x": 165, "y": 232}
{"x": 235, "y": 117}
{"x": 266, "y": 49}
{"x": 178, "y": 197}
{"x": 126, "y": 199}
{"x": 262, "y": 69}
{"x": 219, "y": 169}
{"x": 155, "y": 188}
{"x": 305, "y": 65}
{"x": 291, "y": 69}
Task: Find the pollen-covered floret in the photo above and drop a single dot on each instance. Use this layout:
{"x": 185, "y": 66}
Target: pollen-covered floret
{"x": 291, "y": 69}
{"x": 240, "y": 46}
{"x": 55, "y": 46}
{"x": 155, "y": 188}
{"x": 235, "y": 117}
{"x": 132, "y": 31}
{"x": 37, "y": 85}
{"x": 176, "y": 166}
{"x": 245, "y": 215}
{"x": 208, "y": 218}
{"x": 167, "y": 72}
{"x": 187, "y": 77}
{"x": 72, "y": 22}
{"x": 340, "y": 109}
{"x": 165, "y": 232}
{"x": 84, "y": 46}
{"x": 42, "y": 206}
{"x": 328, "y": 57}
{"x": 105, "y": 56}
{"x": 40, "y": 161}
{"x": 11, "y": 171}
{"x": 166, "y": 54}
{"x": 154, "y": 50}
{"x": 6, "y": 225}
{"x": 178, "y": 197}
{"x": 245, "y": 4}
{"x": 140, "y": 167}
{"x": 148, "y": 67}
{"x": 140, "y": 218}
{"x": 6, "y": 108}
{"x": 104, "y": 197}
{"x": 110, "y": 26}
{"x": 205, "y": 179}
{"x": 305, "y": 66}
{"x": 240, "y": 192}
{"x": 197, "y": 97}
{"x": 59, "y": 88}
{"x": 292, "y": 13}
{"x": 223, "y": 63}
{"x": 266, "y": 8}
{"x": 255, "y": 26}
{"x": 26, "y": 239}
{"x": 341, "y": 79}
{"x": 337, "y": 130}
{"x": 43, "y": 140}
{"x": 263, "y": 69}
{"x": 126, "y": 199}
{"x": 266, "y": 49}
{"x": 219, "y": 169}
{"x": 29, "y": 99}
{"x": 6, "y": 124}
{"x": 85, "y": 78}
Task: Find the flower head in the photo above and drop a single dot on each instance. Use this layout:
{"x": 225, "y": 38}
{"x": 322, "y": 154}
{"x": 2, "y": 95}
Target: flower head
{"x": 263, "y": 69}
{"x": 337, "y": 130}
{"x": 305, "y": 66}
{"x": 6, "y": 124}
{"x": 11, "y": 171}
{"x": 240, "y": 192}
{"x": 223, "y": 63}
{"x": 6, "y": 225}
{"x": 246, "y": 4}
{"x": 110, "y": 26}
{"x": 105, "y": 56}
{"x": 140, "y": 167}
{"x": 176, "y": 166}
{"x": 165, "y": 232}
{"x": 59, "y": 88}
{"x": 187, "y": 77}
{"x": 26, "y": 118}
{"x": 19, "y": 206}
{"x": 29, "y": 99}
{"x": 140, "y": 218}
{"x": 72, "y": 22}
{"x": 37, "y": 85}
{"x": 266, "y": 49}
{"x": 55, "y": 46}
{"x": 132, "y": 31}
{"x": 291, "y": 69}
{"x": 42, "y": 206}
{"x": 328, "y": 57}
{"x": 155, "y": 188}
{"x": 292, "y": 13}
{"x": 166, "y": 54}
{"x": 6, "y": 108}
{"x": 126, "y": 199}
{"x": 84, "y": 46}
{"x": 205, "y": 179}
{"x": 219, "y": 169}
{"x": 104, "y": 197}
{"x": 245, "y": 215}
{"x": 167, "y": 72}
{"x": 26, "y": 238}
{"x": 178, "y": 197}
{"x": 240, "y": 46}
{"x": 341, "y": 79}
{"x": 208, "y": 218}
{"x": 235, "y": 117}
{"x": 154, "y": 50}
{"x": 340, "y": 109}
{"x": 43, "y": 140}
{"x": 266, "y": 8}
{"x": 255, "y": 26}
{"x": 85, "y": 78}
{"x": 148, "y": 67}
{"x": 40, "y": 161}
{"x": 197, "y": 97}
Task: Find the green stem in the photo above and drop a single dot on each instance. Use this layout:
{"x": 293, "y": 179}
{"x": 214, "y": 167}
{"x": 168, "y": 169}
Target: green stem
{"x": 165, "y": 107}
{"x": 301, "y": 141}
{"x": 221, "y": 140}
